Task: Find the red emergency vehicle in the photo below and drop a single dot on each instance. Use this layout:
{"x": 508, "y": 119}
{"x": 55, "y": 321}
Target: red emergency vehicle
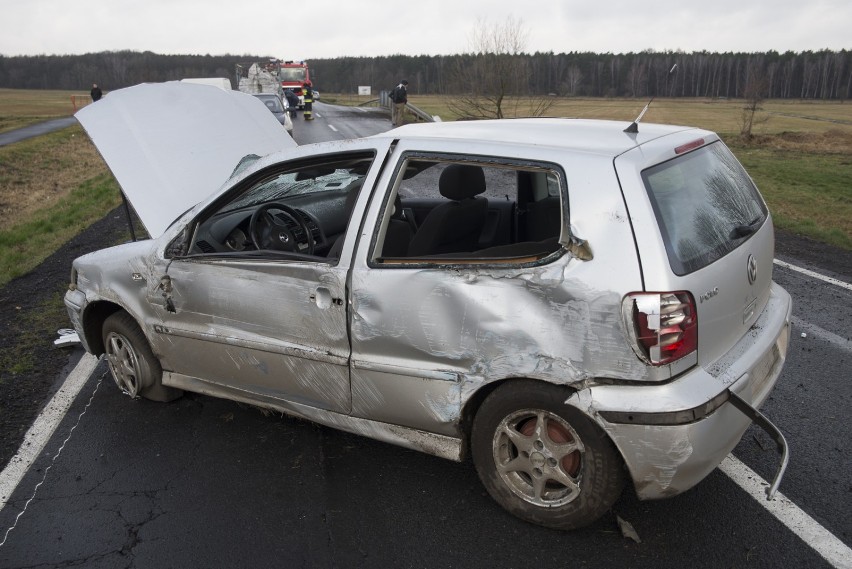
{"x": 293, "y": 75}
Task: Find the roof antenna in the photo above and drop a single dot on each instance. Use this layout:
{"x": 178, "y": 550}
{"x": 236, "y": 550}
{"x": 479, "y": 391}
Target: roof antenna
{"x": 634, "y": 126}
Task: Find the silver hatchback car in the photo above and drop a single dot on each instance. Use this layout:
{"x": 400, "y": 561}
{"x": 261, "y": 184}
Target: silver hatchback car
{"x": 279, "y": 107}
{"x": 573, "y": 304}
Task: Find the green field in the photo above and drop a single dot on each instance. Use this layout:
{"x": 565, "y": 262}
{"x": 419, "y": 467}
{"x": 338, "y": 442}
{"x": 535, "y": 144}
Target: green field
{"x": 718, "y": 115}
{"x": 54, "y": 186}
{"x": 21, "y": 107}
{"x": 800, "y": 155}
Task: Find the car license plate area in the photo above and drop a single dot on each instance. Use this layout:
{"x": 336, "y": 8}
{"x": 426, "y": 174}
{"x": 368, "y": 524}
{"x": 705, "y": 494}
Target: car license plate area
{"x": 769, "y": 365}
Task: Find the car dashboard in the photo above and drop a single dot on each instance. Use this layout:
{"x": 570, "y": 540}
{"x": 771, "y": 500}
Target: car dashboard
{"x": 230, "y": 232}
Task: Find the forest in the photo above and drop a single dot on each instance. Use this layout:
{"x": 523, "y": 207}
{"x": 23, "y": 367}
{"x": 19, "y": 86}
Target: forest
{"x": 824, "y": 75}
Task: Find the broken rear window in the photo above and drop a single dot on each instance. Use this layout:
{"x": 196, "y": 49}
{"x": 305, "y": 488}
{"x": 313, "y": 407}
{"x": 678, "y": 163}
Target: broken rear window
{"x": 705, "y": 204}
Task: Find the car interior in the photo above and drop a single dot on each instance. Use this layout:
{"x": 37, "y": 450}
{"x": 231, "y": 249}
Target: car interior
{"x": 439, "y": 210}
{"x": 469, "y": 212}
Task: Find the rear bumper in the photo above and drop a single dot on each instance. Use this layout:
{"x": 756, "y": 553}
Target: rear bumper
{"x": 672, "y": 436}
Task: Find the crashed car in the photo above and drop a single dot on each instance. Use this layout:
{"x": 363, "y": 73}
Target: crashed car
{"x": 572, "y": 303}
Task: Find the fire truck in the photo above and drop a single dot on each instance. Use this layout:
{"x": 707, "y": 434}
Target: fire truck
{"x": 271, "y": 75}
{"x": 293, "y": 75}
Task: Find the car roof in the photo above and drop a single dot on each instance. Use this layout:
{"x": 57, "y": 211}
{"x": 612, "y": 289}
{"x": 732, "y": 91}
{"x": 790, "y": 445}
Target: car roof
{"x": 583, "y": 135}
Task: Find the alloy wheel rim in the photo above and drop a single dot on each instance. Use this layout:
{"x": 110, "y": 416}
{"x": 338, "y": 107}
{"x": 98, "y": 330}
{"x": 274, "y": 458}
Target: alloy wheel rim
{"x": 539, "y": 457}
{"x": 123, "y": 363}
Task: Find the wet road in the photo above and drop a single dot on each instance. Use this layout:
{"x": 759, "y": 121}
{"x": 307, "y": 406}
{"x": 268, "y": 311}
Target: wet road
{"x": 336, "y": 123}
{"x": 204, "y": 482}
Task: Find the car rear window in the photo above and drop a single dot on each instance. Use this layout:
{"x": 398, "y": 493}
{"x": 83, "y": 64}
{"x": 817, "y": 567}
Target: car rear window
{"x": 706, "y": 206}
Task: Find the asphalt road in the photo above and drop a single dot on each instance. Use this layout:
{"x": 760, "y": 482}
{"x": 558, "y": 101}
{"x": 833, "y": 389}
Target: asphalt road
{"x": 34, "y": 130}
{"x": 203, "y": 482}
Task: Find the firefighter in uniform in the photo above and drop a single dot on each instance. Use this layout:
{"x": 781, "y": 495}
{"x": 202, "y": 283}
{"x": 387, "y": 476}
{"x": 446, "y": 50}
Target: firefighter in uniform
{"x": 309, "y": 102}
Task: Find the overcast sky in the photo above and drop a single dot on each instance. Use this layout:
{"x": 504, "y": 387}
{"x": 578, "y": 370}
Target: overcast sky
{"x": 301, "y": 29}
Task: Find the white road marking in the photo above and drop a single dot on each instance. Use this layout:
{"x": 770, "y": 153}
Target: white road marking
{"x": 53, "y": 460}
{"x": 817, "y": 332}
{"x": 331, "y": 126}
{"x": 813, "y": 274}
{"x": 808, "y": 529}
{"x": 43, "y": 427}
{"x": 317, "y": 115}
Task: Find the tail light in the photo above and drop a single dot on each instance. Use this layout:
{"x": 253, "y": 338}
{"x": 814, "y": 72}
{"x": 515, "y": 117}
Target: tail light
{"x": 663, "y": 325}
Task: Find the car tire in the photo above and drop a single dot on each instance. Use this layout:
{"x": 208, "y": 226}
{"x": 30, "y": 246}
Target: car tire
{"x": 563, "y": 476}
{"x": 131, "y": 361}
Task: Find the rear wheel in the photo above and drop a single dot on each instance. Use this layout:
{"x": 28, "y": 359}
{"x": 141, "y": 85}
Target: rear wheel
{"x": 134, "y": 367}
{"x": 544, "y": 461}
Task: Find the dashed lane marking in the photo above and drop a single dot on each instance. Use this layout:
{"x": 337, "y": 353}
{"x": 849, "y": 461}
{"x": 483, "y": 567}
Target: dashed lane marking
{"x": 331, "y": 126}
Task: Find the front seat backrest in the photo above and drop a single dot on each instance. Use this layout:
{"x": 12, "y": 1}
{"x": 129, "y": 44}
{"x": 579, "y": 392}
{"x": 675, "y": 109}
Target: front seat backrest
{"x": 399, "y": 232}
{"x": 454, "y": 227}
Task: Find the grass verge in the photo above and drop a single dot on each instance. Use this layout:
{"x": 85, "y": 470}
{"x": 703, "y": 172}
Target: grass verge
{"x": 22, "y": 107}
{"x": 26, "y": 244}
{"x": 51, "y": 188}
{"x": 31, "y": 329}
{"x": 808, "y": 193}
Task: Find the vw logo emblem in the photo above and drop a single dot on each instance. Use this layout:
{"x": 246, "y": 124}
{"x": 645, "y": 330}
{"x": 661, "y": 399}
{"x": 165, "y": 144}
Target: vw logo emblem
{"x": 284, "y": 238}
{"x": 752, "y": 269}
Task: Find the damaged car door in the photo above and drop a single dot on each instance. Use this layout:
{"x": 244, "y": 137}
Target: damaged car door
{"x": 471, "y": 309}
{"x": 256, "y": 307}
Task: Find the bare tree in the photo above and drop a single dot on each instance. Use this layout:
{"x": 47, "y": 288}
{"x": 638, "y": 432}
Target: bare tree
{"x": 573, "y": 80}
{"x": 755, "y": 93}
{"x": 492, "y": 80}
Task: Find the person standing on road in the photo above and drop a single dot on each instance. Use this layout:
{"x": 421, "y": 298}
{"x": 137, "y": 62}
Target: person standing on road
{"x": 309, "y": 102}
{"x": 96, "y": 92}
{"x": 399, "y": 98}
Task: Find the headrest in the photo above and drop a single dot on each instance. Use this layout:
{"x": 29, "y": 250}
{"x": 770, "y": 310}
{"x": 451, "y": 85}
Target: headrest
{"x": 461, "y": 181}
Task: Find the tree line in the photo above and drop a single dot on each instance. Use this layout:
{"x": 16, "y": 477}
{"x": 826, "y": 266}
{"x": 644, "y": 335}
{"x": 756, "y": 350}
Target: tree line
{"x": 823, "y": 74}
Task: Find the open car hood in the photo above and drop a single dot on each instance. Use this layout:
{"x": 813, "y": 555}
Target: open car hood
{"x": 172, "y": 145}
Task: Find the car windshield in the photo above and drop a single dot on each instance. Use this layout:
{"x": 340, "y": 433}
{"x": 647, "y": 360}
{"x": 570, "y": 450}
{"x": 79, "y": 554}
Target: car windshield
{"x": 706, "y": 206}
{"x": 291, "y": 74}
{"x": 296, "y": 183}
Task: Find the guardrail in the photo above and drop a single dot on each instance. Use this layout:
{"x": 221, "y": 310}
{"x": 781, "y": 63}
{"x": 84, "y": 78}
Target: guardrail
{"x": 384, "y": 101}
{"x": 421, "y": 114}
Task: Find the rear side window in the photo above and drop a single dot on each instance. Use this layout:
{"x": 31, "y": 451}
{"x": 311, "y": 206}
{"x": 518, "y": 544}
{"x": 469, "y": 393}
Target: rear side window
{"x": 706, "y": 206}
{"x": 448, "y": 209}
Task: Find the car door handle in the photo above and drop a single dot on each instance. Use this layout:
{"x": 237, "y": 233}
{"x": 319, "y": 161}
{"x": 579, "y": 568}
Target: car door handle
{"x": 322, "y": 298}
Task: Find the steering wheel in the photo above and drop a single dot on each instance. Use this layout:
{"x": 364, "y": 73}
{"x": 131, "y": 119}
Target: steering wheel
{"x": 269, "y": 232}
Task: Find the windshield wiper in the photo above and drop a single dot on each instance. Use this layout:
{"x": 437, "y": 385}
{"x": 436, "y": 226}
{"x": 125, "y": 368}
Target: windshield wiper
{"x": 741, "y": 231}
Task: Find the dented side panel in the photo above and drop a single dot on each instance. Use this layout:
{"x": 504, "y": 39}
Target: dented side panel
{"x": 559, "y": 321}
{"x": 260, "y": 326}
{"x": 378, "y": 392}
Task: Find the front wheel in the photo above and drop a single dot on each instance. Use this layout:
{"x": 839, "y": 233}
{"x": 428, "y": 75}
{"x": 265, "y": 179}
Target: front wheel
{"x": 133, "y": 365}
{"x": 542, "y": 460}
